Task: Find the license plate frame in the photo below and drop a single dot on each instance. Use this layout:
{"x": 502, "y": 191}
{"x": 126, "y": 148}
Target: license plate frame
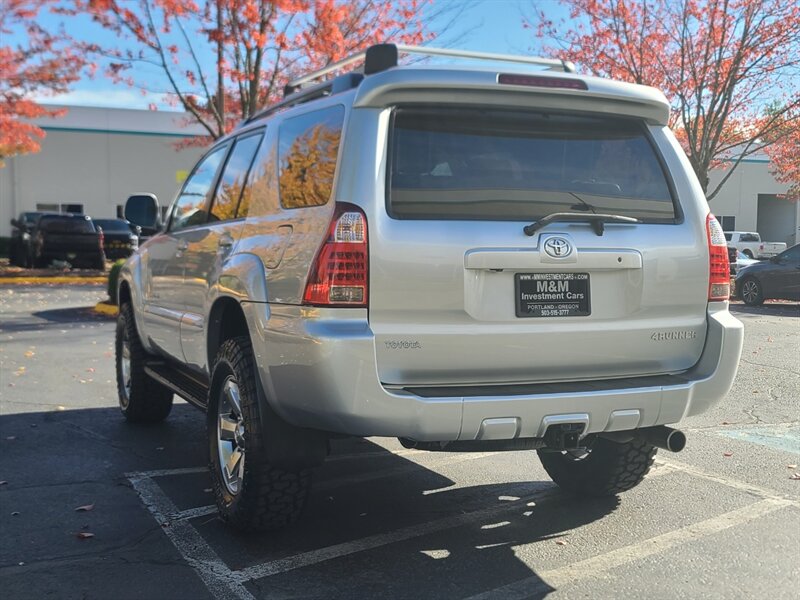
{"x": 552, "y": 295}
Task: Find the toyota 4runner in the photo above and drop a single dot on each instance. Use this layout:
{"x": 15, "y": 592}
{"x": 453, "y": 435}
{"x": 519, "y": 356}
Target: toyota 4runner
{"x": 466, "y": 258}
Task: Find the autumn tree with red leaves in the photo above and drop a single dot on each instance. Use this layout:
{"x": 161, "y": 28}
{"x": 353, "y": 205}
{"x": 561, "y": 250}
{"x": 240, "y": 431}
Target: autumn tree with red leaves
{"x": 39, "y": 63}
{"x": 225, "y": 59}
{"x": 730, "y": 69}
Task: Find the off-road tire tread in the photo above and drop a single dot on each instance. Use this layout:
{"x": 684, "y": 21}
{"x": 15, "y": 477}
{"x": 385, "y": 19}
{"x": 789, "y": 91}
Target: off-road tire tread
{"x": 271, "y": 498}
{"x": 149, "y": 401}
{"x": 610, "y": 469}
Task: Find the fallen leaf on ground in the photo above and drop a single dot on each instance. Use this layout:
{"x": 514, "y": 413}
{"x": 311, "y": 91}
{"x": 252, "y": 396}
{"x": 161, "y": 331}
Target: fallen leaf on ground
{"x": 84, "y": 508}
{"x": 794, "y": 476}
{"x": 29, "y": 354}
{"x": 727, "y": 454}
{"x": 561, "y": 542}
{"x": 84, "y": 535}
{"x": 791, "y": 466}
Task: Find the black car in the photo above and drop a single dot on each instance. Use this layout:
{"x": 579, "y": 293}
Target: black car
{"x": 21, "y": 250}
{"x": 778, "y": 277}
{"x": 121, "y": 238}
{"x": 68, "y": 237}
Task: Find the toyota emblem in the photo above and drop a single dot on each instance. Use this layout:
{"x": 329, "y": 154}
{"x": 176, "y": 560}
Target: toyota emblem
{"x": 557, "y": 247}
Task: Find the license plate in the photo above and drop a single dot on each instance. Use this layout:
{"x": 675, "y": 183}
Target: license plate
{"x": 552, "y": 294}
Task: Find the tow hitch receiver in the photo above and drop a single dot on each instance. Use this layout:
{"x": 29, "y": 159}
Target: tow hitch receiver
{"x": 563, "y": 436}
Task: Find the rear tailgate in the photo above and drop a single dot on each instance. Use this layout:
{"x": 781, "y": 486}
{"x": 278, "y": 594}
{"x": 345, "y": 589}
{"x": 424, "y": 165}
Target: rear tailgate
{"x": 459, "y": 294}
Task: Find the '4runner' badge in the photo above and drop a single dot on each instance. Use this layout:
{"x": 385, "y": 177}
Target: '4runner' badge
{"x": 667, "y": 336}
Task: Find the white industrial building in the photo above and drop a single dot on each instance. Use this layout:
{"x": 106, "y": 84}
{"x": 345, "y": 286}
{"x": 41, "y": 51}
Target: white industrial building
{"x": 93, "y": 158}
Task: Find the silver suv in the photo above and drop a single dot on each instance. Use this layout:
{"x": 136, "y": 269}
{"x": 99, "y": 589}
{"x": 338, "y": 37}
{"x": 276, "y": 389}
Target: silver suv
{"x": 473, "y": 258}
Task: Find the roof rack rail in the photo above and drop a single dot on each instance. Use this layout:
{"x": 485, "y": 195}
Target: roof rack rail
{"x": 381, "y": 57}
{"x": 384, "y": 56}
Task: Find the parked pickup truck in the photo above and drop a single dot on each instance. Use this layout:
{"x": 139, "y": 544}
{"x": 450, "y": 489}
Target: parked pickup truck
{"x": 749, "y": 243}
{"x": 68, "y": 237}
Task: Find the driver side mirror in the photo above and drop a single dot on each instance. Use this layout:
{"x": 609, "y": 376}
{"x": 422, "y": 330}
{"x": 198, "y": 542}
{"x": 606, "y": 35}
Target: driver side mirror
{"x": 143, "y": 211}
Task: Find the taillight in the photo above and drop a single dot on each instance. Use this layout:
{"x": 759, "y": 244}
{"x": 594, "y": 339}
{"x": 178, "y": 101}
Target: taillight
{"x": 338, "y": 276}
{"x": 719, "y": 277}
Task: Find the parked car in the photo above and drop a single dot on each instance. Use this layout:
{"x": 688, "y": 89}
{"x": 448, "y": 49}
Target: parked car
{"x": 120, "y": 237}
{"x": 21, "y": 247}
{"x": 738, "y": 260}
{"x": 70, "y": 238}
{"x": 750, "y": 244}
{"x": 465, "y": 258}
{"x": 776, "y": 278}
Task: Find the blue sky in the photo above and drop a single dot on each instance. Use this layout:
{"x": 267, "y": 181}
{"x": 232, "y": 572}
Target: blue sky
{"x": 486, "y": 25}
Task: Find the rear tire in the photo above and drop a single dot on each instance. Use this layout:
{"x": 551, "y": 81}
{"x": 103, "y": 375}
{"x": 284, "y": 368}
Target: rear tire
{"x": 747, "y": 253}
{"x": 752, "y": 293}
{"x": 141, "y": 398}
{"x": 251, "y": 493}
{"x": 607, "y": 468}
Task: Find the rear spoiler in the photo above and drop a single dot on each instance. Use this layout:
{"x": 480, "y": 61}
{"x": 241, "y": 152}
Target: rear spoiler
{"x": 435, "y": 85}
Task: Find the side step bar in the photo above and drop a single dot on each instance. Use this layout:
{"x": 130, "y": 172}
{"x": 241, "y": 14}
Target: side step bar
{"x": 189, "y": 386}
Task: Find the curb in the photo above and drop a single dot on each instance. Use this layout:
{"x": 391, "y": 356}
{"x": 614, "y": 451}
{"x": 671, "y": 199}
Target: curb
{"x": 56, "y": 280}
{"x": 103, "y": 308}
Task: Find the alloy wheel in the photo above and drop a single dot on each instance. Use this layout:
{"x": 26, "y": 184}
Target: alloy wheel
{"x": 230, "y": 436}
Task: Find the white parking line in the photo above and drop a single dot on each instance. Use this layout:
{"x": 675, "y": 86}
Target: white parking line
{"x": 755, "y": 490}
{"x": 224, "y": 583}
{"x": 193, "y": 548}
{"x": 597, "y": 566}
{"x": 305, "y": 559}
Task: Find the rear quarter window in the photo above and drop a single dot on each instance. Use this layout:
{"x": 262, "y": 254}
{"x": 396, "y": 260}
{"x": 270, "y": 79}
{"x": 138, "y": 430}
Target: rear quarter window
{"x": 308, "y": 147}
{"x": 493, "y": 164}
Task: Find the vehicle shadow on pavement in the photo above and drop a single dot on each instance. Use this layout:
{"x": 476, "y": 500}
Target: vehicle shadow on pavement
{"x": 67, "y": 317}
{"x": 378, "y": 523}
{"x": 774, "y": 309}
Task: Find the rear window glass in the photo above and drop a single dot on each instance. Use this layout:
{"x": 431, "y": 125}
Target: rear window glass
{"x": 67, "y": 225}
{"x": 308, "y": 147}
{"x": 521, "y": 165}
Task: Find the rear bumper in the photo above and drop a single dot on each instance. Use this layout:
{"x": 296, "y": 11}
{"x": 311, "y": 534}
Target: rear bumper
{"x": 318, "y": 369}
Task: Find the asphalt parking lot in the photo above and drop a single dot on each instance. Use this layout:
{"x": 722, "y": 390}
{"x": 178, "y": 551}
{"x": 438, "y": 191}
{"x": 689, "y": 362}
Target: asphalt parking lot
{"x": 719, "y": 520}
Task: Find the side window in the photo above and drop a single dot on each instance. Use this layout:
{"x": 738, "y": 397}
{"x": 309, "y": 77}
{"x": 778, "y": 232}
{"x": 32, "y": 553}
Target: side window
{"x": 308, "y": 147}
{"x": 791, "y": 255}
{"x": 190, "y": 207}
{"x": 750, "y": 237}
{"x": 231, "y": 184}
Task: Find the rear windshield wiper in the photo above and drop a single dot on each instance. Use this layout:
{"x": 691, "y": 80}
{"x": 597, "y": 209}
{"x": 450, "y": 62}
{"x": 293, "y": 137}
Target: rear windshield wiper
{"x": 597, "y": 220}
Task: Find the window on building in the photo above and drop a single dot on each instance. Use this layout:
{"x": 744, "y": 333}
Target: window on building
{"x": 728, "y": 223}
{"x": 231, "y": 184}
{"x": 72, "y": 208}
{"x": 308, "y": 147}
{"x": 120, "y": 211}
{"x": 190, "y": 207}
{"x": 48, "y": 208}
